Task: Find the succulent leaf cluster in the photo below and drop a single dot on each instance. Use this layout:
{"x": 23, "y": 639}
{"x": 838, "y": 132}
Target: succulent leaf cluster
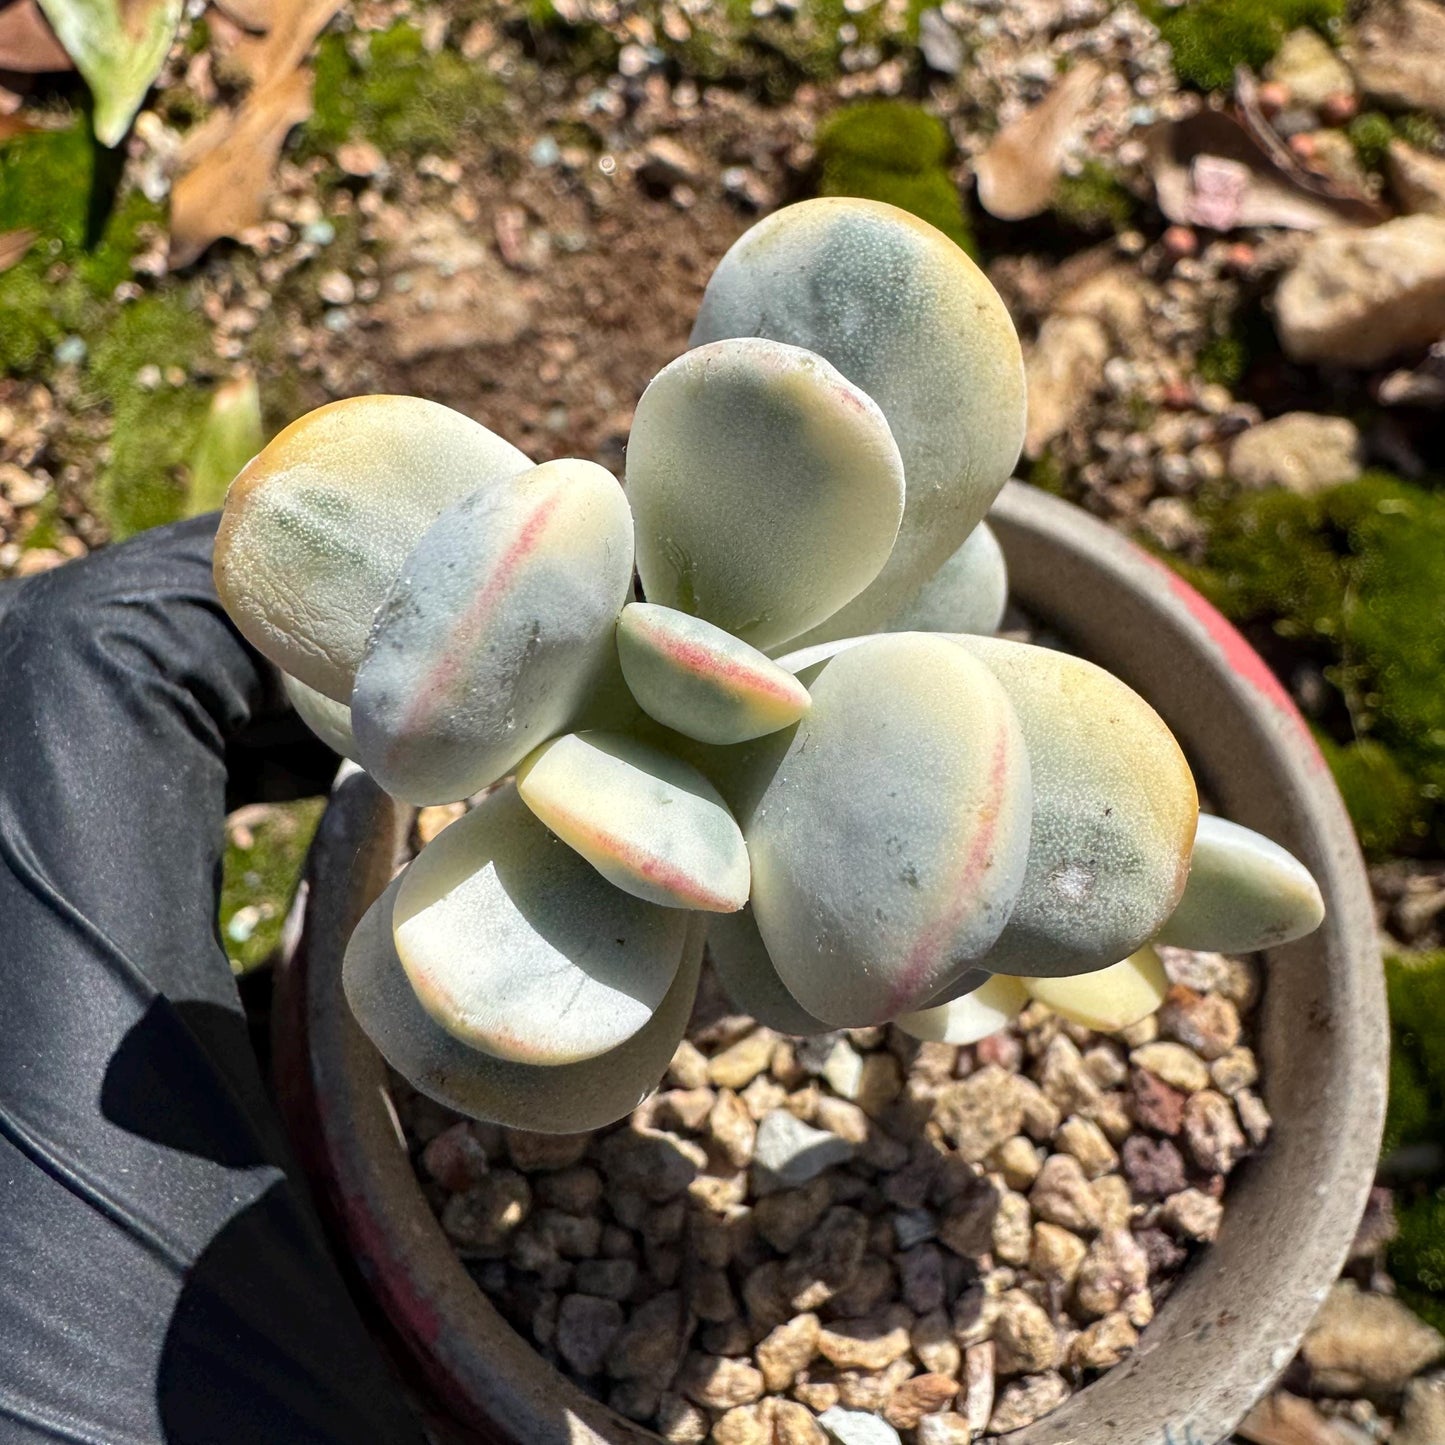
{"x": 802, "y": 749}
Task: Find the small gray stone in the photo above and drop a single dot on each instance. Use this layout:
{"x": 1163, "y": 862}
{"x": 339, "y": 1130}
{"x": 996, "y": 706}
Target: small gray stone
{"x": 978, "y": 1113}
{"x": 1027, "y": 1400}
{"x": 920, "y": 1271}
{"x": 857, "y": 1427}
{"x": 788, "y": 1152}
{"x": 586, "y": 1329}
{"x": 1210, "y": 1131}
{"x": 1023, "y": 1336}
{"x": 843, "y": 1070}
{"x": 1365, "y": 1343}
{"x": 940, "y": 43}
{"x": 1422, "y": 1420}
{"x": 657, "y": 1165}
{"x": 609, "y": 1278}
{"x": 914, "y": 1226}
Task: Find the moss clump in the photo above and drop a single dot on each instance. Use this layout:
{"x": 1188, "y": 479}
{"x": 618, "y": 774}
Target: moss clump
{"x": 1417, "y": 1255}
{"x": 1356, "y": 577}
{"x": 1370, "y": 133}
{"x": 1095, "y": 200}
{"x": 1223, "y": 360}
{"x": 1210, "y": 37}
{"x": 156, "y": 431}
{"x": 888, "y": 150}
{"x": 259, "y": 880}
{"x": 397, "y": 96}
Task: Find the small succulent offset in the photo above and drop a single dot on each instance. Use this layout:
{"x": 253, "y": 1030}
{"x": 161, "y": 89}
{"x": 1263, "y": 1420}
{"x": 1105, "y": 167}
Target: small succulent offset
{"x": 803, "y": 749}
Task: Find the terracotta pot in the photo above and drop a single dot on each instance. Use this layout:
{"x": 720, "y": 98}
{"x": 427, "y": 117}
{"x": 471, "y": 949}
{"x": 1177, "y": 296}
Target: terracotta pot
{"x": 1235, "y": 1319}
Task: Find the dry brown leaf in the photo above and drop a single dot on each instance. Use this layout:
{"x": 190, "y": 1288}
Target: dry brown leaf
{"x": 1209, "y": 170}
{"x": 1018, "y": 171}
{"x": 13, "y": 246}
{"x": 27, "y": 43}
{"x": 14, "y": 124}
{"x": 287, "y": 42}
{"x": 224, "y": 192}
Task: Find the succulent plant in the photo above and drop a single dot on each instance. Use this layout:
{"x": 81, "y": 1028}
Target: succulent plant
{"x": 802, "y": 748}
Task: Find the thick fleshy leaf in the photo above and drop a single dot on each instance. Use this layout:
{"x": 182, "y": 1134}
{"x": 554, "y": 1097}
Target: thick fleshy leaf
{"x": 519, "y": 948}
{"x": 317, "y": 526}
{"x": 906, "y": 316}
{"x": 1114, "y": 807}
{"x": 489, "y": 643}
{"x": 702, "y": 681}
{"x": 1109, "y": 998}
{"x": 647, "y": 821}
{"x": 967, "y": 594}
{"x": 551, "y": 1099}
{"x": 968, "y": 982}
{"x": 740, "y": 960}
{"x": 1244, "y": 892}
{"x": 119, "y": 47}
{"x": 972, "y": 1016}
{"x": 890, "y": 843}
{"x": 767, "y": 488}
{"x": 1114, "y": 813}
{"x": 328, "y": 719}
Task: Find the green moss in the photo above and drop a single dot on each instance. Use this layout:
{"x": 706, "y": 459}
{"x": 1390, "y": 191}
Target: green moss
{"x": 1370, "y": 133}
{"x": 1047, "y": 473}
{"x": 1095, "y": 200}
{"x": 258, "y": 882}
{"x": 1418, "y": 130}
{"x": 1417, "y": 1255}
{"x": 1383, "y": 799}
{"x": 1356, "y": 576}
{"x": 1223, "y": 360}
{"x": 154, "y": 432}
{"x": 397, "y": 96}
{"x": 1210, "y": 37}
{"x": 889, "y": 150}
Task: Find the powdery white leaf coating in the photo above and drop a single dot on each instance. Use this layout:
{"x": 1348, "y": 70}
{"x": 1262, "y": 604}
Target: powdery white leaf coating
{"x": 702, "y": 681}
{"x": 1114, "y": 814}
{"x": 1244, "y": 892}
{"x": 648, "y": 822}
{"x": 971, "y": 1017}
{"x": 1110, "y": 998}
{"x": 906, "y": 316}
{"x": 890, "y": 843}
{"x": 740, "y": 960}
{"x": 967, "y": 594}
{"x": 1114, "y": 807}
{"x": 767, "y": 488}
{"x": 518, "y": 947}
{"x": 328, "y": 719}
{"x": 317, "y": 526}
{"x": 549, "y": 1099}
{"x": 490, "y": 641}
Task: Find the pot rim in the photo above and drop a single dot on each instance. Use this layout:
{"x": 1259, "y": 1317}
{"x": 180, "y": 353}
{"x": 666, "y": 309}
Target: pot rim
{"x": 1236, "y": 1317}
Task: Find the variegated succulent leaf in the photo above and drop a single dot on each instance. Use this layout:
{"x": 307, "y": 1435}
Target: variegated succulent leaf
{"x": 967, "y": 594}
{"x": 1244, "y": 892}
{"x": 517, "y": 946}
{"x": 328, "y": 719}
{"x": 546, "y": 1098}
{"x": 1108, "y": 999}
{"x": 767, "y": 488}
{"x": 701, "y": 681}
{"x": 890, "y": 843}
{"x": 749, "y": 978}
{"x": 904, "y": 314}
{"x": 317, "y": 525}
{"x": 647, "y": 821}
{"x": 984, "y": 1010}
{"x": 495, "y": 632}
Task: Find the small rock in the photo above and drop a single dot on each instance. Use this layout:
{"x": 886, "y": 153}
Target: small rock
{"x": 827, "y": 1261}
{"x": 1024, "y": 1337}
{"x": 1358, "y": 297}
{"x": 786, "y": 1350}
{"x": 1086, "y": 1142}
{"x": 1114, "y": 1268}
{"x": 1064, "y": 370}
{"x": 336, "y": 288}
{"x": 665, "y": 164}
{"x": 1192, "y": 1214}
{"x": 978, "y": 1384}
{"x": 1253, "y": 1116}
{"x": 1153, "y": 1167}
{"x": 871, "y": 1390}
{"x": 1367, "y": 1343}
{"x": 940, "y": 43}
{"x": 1418, "y": 179}
{"x": 482, "y": 1218}
{"x": 1116, "y": 1204}
{"x": 783, "y": 1219}
{"x": 1104, "y": 1343}
{"x": 1018, "y": 1160}
{"x": 652, "y": 1341}
{"x": 920, "y": 1273}
{"x": 914, "y": 1398}
{"x": 914, "y": 1226}
{"x": 689, "y": 1068}
{"x": 1210, "y": 1131}
{"x": 763, "y": 1095}
{"x": 1105, "y": 1065}
{"x": 1397, "y": 52}
{"x": 817, "y": 1395}
{"x": 793, "y": 1424}
{"x": 1040, "y": 1115}
{"x": 572, "y": 1236}
{"x": 535, "y": 1153}
{"x": 788, "y": 1152}
{"x": 933, "y": 1343}
{"x": 857, "y": 1427}
{"x": 719, "y": 1383}
{"x": 1234, "y": 1071}
{"x": 843, "y": 1070}
{"x": 1285, "y": 1419}
{"x": 1154, "y": 1104}
{"x": 1164, "y": 1253}
{"x": 658, "y": 1165}
{"x": 737, "y": 1066}
{"x": 879, "y": 1084}
{"x": 1027, "y": 1400}
{"x": 609, "y": 1278}
{"x": 456, "y": 1158}
{"x": 680, "y": 1421}
{"x": 1063, "y": 1196}
{"x": 873, "y": 1283}
{"x": 575, "y": 1190}
{"x": 1422, "y": 1418}
{"x": 731, "y": 1129}
{"x": 1012, "y": 1223}
{"x": 978, "y": 1113}
{"x": 1302, "y": 453}
{"x": 840, "y": 1117}
{"x": 1066, "y": 1080}
{"x": 635, "y": 1399}
{"x": 1310, "y": 67}
{"x": 866, "y": 1344}
{"x": 359, "y": 158}
{"x": 741, "y": 1425}
{"x": 682, "y": 1108}
{"x": 1174, "y": 1064}
{"x": 1056, "y": 1254}
{"x": 587, "y": 1326}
